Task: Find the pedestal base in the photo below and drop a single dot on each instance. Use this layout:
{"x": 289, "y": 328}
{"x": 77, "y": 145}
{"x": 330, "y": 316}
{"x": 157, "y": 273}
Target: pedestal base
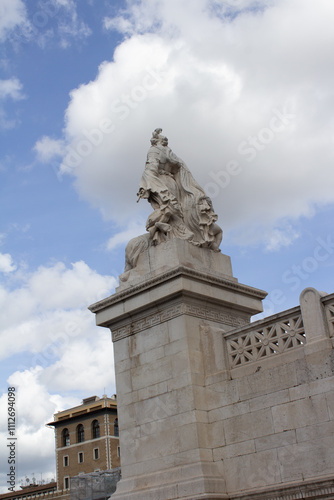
{"x": 167, "y": 322}
{"x": 196, "y": 482}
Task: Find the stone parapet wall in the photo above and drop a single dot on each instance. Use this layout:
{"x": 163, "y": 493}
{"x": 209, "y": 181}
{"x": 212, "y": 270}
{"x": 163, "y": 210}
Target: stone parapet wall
{"x": 273, "y": 417}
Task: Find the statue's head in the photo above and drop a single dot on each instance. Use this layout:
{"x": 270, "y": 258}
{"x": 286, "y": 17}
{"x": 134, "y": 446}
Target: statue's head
{"x": 205, "y": 203}
{"x": 158, "y": 138}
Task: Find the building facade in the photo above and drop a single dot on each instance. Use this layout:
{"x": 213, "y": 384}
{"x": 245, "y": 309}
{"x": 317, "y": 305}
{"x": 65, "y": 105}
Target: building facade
{"x": 33, "y": 492}
{"x": 86, "y": 439}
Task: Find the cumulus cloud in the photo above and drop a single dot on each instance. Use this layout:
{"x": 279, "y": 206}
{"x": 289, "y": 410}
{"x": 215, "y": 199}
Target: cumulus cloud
{"x": 88, "y": 365}
{"x": 53, "y": 303}
{"x": 34, "y": 407}
{"x": 242, "y": 89}
{"x": 53, "y": 350}
{"x": 29, "y": 389}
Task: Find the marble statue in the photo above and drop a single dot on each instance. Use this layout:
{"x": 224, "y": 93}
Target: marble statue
{"x": 181, "y": 207}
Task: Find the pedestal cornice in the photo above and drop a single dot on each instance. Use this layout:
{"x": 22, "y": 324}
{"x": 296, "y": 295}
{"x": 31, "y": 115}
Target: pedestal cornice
{"x": 178, "y": 271}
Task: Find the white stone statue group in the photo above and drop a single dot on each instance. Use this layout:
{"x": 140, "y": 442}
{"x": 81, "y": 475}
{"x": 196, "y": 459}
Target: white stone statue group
{"x": 181, "y": 207}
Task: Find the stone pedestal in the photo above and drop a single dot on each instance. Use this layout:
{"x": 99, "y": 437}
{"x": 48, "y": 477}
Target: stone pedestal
{"x": 167, "y": 321}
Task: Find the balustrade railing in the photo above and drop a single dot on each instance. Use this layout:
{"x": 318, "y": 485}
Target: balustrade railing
{"x": 268, "y": 337}
{"x": 273, "y": 335}
{"x": 328, "y": 303}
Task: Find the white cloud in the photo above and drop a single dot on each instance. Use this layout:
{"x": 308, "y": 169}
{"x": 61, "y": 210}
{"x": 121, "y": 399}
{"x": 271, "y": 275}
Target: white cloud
{"x": 88, "y": 365}
{"x": 48, "y": 148}
{"x": 6, "y": 262}
{"x": 50, "y": 22}
{"x": 71, "y": 26}
{"x": 34, "y": 407}
{"x": 28, "y": 389}
{"x": 12, "y": 88}
{"x": 12, "y": 14}
{"x": 9, "y": 89}
{"x": 123, "y": 237}
{"x": 48, "y": 309}
{"x": 50, "y": 344}
{"x": 225, "y": 85}
{"x": 118, "y": 23}
{"x": 278, "y": 238}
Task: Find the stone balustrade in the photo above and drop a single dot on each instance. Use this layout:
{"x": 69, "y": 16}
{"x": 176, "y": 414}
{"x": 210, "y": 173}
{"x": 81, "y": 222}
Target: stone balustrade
{"x": 328, "y": 304}
{"x": 281, "y": 332}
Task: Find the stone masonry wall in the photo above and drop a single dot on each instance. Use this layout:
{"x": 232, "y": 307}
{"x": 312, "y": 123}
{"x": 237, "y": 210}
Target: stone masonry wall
{"x": 273, "y": 420}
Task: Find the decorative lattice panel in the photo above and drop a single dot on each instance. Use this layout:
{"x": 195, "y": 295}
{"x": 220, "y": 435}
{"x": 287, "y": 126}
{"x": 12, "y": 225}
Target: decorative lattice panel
{"x": 270, "y": 340}
{"x": 330, "y": 317}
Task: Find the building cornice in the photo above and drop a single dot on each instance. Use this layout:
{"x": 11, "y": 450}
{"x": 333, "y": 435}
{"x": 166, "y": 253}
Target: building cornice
{"x": 87, "y": 414}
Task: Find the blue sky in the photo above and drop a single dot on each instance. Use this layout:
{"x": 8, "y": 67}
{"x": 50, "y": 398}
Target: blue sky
{"x": 244, "y": 92}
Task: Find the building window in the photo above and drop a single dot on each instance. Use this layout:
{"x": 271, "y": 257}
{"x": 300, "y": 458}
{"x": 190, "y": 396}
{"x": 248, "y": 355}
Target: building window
{"x": 80, "y": 433}
{"x": 80, "y": 457}
{"x": 66, "y": 461}
{"x": 95, "y": 429}
{"x": 65, "y": 437}
{"x": 118, "y": 451}
{"x": 116, "y": 433}
{"x": 96, "y": 453}
{"x": 66, "y": 483}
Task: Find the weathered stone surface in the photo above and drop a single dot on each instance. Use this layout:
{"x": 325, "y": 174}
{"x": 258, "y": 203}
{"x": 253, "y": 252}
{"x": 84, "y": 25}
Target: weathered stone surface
{"x": 269, "y": 400}
{"x": 310, "y": 389}
{"x": 252, "y": 471}
{"x": 154, "y": 260}
{"x": 275, "y": 440}
{"x": 307, "y": 460}
{"x": 300, "y": 413}
{"x": 315, "y": 432}
{"x": 249, "y": 426}
{"x": 234, "y": 450}
{"x": 229, "y": 411}
{"x": 267, "y": 381}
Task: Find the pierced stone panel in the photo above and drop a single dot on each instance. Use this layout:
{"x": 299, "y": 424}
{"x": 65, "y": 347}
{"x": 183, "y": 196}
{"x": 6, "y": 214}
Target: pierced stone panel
{"x": 257, "y": 343}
